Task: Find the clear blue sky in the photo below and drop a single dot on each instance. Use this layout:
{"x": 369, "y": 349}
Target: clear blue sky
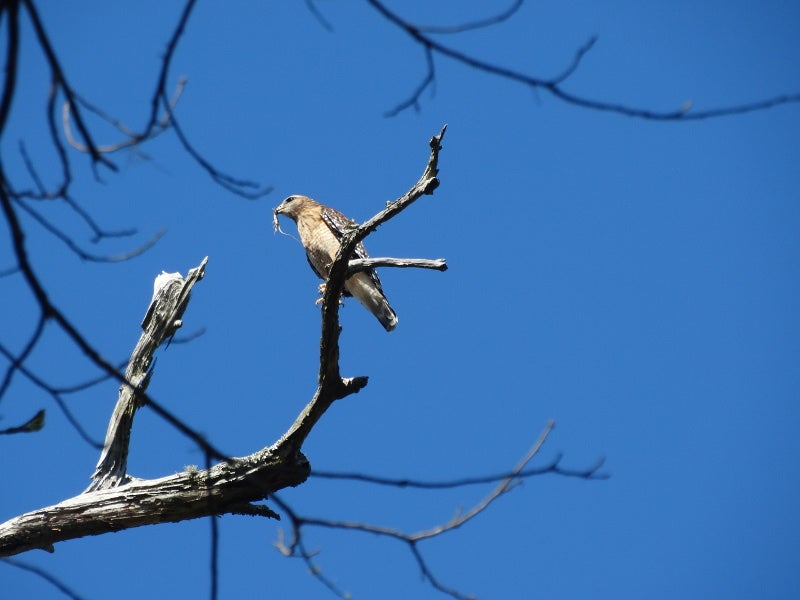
{"x": 635, "y": 281}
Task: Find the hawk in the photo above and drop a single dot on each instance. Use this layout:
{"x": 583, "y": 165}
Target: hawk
{"x": 321, "y": 228}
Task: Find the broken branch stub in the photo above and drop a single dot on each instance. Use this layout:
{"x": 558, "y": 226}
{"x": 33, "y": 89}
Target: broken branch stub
{"x": 163, "y": 317}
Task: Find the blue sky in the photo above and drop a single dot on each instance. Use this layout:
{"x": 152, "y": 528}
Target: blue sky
{"x": 635, "y": 281}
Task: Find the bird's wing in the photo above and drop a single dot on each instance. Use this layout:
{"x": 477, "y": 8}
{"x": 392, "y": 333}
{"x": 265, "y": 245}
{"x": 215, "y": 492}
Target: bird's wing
{"x": 338, "y": 224}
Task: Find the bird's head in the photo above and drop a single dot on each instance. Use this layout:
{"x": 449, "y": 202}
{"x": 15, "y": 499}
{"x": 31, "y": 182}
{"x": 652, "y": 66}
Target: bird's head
{"x": 292, "y": 206}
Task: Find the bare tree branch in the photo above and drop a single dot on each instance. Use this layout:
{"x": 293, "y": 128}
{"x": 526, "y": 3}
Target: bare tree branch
{"x": 226, "y": 487}
{"x": 80, "y": 252}
{"x": 58, "y": 584}
{"x": 170, "y": 499}
{"x": 576, "y": 61}
{"x": 12, "y": 55}
{"x": 22, "y": 356}
{"x": 161, "y": 83}
{"x": 56, "y": 394}
{"x": 131, "y": 137}
{"x": 296, "y": 548}
{"x": 553, "y": 86}
{"x": 554, "y": 467}
{"x": 49, "y": 311}
{"x": 240, "y": 187}
{"x": 471, "y": 25}
{"x": 61, "y": 80}
{"x": 331, "y": 386}
{"x": 163, "y": 318}
{"x": 35, "y": 423}
{"x": 312, "y": 8}
{"x": 360, "y": 264}
{"x": 428, "y": 81}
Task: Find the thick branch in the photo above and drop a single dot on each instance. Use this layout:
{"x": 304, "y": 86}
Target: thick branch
{"x": 225, "y": 488}
{"x": 118, "y": 502}
{"x": 170, "y": 298}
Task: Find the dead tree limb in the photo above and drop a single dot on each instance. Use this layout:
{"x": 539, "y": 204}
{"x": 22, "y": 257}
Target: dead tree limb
{"x": 228, "y": 487}
{"x": 116, "y": 501}
{"x": 360, "y": 264}
{"x": 163, "y": 318}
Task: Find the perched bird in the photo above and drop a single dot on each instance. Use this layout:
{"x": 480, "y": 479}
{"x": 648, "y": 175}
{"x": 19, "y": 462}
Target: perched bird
{"x": 321, "y": 228}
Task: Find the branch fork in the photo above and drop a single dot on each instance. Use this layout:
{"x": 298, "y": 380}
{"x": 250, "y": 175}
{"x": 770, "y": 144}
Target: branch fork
{"x": 116, "y": 501}
{"x": 331, "y": 385}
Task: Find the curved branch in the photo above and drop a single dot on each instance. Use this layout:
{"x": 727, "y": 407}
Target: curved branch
{"x": 81, "y": 253}
{"x": 576, "y": 61}
{"x": 61, "y": 80}
{"x": 237, "y": 186}
{"x": 411, "y": 539}
{"x": 554, "y": 85}
{"x": 20, "y": 358}
{"x": 132, "y": 138}
{"x": 471, "y": 25}
{"x": 63, "y": 588}
{"x": 428, "y": 80}
{"x": 35, "y": 423}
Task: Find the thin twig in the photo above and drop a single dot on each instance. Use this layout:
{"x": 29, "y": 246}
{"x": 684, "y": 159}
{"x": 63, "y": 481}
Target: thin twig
{"x": 553, "y": 85}
{"x": 576, "y": 61}
{"x": 312, "y": 8}
{"x": 428, "y": 80}
{"x": 12, "y": 54}
{"x": 553, "y": 468}
{"x": 296, "y": 548}
{"x": 20, "y": 358}
{"x": 35, "y": 423}
{"x": 240, "y": 187}
{"x": 161, "y": 82}
{"x": 80, "y": 252}
{"x": 61, "y": 80}
{"x": 132, "y": 138}
{"x": 471, "y": 25}
{"x": 49, "y": 578}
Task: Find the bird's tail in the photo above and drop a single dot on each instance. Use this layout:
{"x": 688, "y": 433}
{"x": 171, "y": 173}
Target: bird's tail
{"x": 385, "y": 314}
{"x": 373, "y": 300}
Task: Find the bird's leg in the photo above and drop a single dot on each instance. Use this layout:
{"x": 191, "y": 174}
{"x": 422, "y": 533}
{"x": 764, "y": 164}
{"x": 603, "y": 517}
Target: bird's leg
{"x": 322, "y": 293}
